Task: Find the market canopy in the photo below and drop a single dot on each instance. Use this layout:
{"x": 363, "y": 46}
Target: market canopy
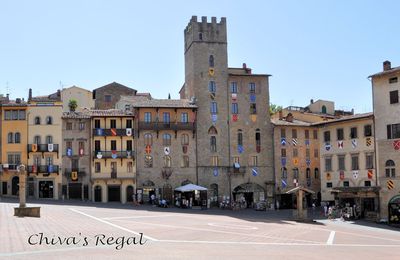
{"x": 189, "y": 187}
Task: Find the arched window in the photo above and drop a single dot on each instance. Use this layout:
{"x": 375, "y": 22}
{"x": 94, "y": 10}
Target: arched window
{"x": 167, "y": 161}
{"x": 284, "y": 173}
{"x": 37, "y": 120}
{"x": 166, "y": 139}
{"x": 17, "y": 138}
{"x": 200, "y": 36}
{"x": 316, "y": 173}
{"x": 185, "y": 139}
{"x": 323, "y": 110}
{"x": 49, "y": 139}
{"x": 148, "y": 139}
{"x": 258, "y": 140}
{"x": 211, "y": 61}
{"x": 37, "y": 139}
{"x": 10, "y": 138}
{"x": 390, "y": 169}
{"x": 240, "y": 137}
{"x": 49, "y": 120}
{"x": 213, "y": 144}
{"x": 212, "y": 131}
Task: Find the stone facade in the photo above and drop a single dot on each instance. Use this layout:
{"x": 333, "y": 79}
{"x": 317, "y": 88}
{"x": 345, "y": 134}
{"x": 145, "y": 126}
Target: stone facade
{"x": 83, "y": 97}
{"x": 76, "y": 155}
{"x": 107, "y": 96}
{"x": 385, "y": 90}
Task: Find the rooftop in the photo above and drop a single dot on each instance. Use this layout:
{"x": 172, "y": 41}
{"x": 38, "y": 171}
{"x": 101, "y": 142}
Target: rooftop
{"x": 173, "y": 103}
{"x": 347, "y": 118}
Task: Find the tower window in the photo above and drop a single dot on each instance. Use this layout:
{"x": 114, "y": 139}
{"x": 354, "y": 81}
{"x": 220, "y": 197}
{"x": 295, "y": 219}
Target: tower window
{"x": 394, "y": 97}
{"x": 213, "y": 108}
{"x": 235, "y": 108}
{"x": 390, "y": 169}
{"x": 211, "y": 61}
{"x": 213, "y": 143}
{"x": 240, "y": 137}
{"x": 253, "y": 109}
{"x": 212, "y": 87}
{"x": 234, "y": 88}
{"x": 252, "y": 88}
{"x": 200, "y": 36}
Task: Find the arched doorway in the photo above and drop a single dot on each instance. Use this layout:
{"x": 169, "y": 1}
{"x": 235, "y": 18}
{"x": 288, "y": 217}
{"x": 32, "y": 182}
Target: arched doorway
{"x": 394, "y": 210}
{"x": 129, "y": 194}
{"x": 249, "y": 192}
{"x": 97, "y": 194}
{"x": 15, "y": 186}
{"x": 214, "y": 194}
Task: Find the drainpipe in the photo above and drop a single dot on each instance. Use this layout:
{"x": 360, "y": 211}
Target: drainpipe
{"x": 273, "y": 165}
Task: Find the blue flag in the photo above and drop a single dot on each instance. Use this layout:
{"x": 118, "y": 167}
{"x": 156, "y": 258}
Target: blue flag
{"x": 284, "y": 184}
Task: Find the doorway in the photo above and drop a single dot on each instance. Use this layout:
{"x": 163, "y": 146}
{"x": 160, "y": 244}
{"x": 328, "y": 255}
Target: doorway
{"x": 97, "y": 194}
{"x": 46, "y": 189}
{"x": 114, "y": 193}
{"x": 75, "y": 190}
{"x": 129, "y": 194}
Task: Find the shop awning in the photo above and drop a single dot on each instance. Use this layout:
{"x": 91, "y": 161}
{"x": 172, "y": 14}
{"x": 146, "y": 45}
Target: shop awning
{"x": 189, "y": 187}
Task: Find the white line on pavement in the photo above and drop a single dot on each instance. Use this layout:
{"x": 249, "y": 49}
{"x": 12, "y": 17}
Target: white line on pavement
{"x": 157, "y": 216}
{"x": 331, "y": 238}
{"x": 113, "y": 225}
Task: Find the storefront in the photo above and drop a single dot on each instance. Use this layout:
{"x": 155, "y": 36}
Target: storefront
{"x": 394, "y": 210}
{"x": 46, "y": 189}
{"x": 251, "y": 193}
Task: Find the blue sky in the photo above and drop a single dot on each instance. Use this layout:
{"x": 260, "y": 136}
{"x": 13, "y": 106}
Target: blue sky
{"x": 313, "y": 49}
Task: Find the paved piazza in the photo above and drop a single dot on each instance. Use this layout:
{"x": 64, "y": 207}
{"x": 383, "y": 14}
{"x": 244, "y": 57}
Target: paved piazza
{"x": 173, "y": 233}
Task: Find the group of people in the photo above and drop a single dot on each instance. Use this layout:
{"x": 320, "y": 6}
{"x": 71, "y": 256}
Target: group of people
{"x": 347, "y": 212}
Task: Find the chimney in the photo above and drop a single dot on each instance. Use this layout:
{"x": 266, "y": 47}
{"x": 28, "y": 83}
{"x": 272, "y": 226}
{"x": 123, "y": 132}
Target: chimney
{"x": 280, "y": 114}
{"x": 289, "y": 117}
{"x": 312, "y": 101}
{"x": 18, "y": 101}
{"x": 244, "y": 66}
{"x": 30, "y": 94}
{"x": 387, "y": 65}
{"x": 8, "y": 97}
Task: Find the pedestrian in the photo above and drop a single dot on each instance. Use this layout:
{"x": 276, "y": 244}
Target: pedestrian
{"x": 277, "y": 205}
{"x": 326, "y": 210}
{"x": 152, "y": 199}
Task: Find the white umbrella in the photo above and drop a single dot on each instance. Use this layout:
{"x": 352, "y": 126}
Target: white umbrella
{"x": 189, "y": 187}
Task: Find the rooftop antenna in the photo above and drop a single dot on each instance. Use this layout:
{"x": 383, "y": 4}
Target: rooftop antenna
{"x": 7, "y": 88}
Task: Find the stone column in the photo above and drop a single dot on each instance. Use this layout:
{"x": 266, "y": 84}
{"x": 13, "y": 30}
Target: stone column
{"x": 22, "y": 186}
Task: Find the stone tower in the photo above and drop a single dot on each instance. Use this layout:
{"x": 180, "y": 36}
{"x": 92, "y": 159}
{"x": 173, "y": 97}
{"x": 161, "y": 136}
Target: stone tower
{"x": 206, "y": 80}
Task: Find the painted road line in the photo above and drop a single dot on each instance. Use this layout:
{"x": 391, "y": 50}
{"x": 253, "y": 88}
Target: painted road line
{"x": 154, "y": 216}
{"x": 331, "y": 238}
{"x": 113, "y": 225}
{"x": 232, "y": 226}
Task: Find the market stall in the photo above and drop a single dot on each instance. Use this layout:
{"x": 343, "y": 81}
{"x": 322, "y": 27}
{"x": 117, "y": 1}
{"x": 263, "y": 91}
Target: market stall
{"x": 191, "y": 195}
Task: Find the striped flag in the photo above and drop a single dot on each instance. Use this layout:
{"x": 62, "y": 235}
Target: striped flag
{"x": 284, "y": 184}
{"x": 294, "y": 141}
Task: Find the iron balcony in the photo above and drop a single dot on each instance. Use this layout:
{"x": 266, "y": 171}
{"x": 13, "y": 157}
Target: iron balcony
{"x": 108, "y": 132}
{"x": 43, "y": 148}
{"x": 118, "y": 154}
{"x": 166, "y": 126}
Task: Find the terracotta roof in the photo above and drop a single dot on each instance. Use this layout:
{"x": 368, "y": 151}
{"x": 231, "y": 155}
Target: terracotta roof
{"x": 116, "y": 85}
{"x": 295, "y": 122}
{"x": 49, "y": 98}
{"x": 77, "y": 115}
{"x": 395, "y": 69}
{"x": 346, "y": 118}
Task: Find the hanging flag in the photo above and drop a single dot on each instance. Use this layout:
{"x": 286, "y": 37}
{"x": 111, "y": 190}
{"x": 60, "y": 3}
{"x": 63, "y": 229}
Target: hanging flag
{"x": 50, "y": 168}
{"x": 99, "y": 155}
{"x": 308, "y": 162}
{"x": 254, "y": 171}
{"x": 234, "y": 117}
{"x": 253, "y": 98}
{"x": 74, "y": 176}
{"x": 81, "y": 152}
{"x": 147, "y": 149}
{"x": 99, "y": 131}
{"x": 340, "y": 144}
{"x": 129, "y": 132}
{"x": 212, "y": 95}
{"x": 34, "y": 168}
{"x": 307, "y": 142}
{"x": 390, "y": 184}
{"x": 214, "y": 118}
{"x": 234, "y": 96}
{"x": 283, "y": 160}
{"x": 342, "y": 175}
{"x": 50, "y": 147}
{"x": 294, "y": 141}
{"x": 327, "y": 146}
{"x": 396, "y": 145}
{"x": 129, "y": 154}
{"x": 328, "y": 176}
{"x": 284, "y": 183}
{"x": 69, "y": 152}
{"x": 368, "y": 141}
{"x": 114, "y": 154}
{"x": 113, "y": 132}
{"x": 215, "y": 172}
{"x": 253, "y": 118}
{"x": 34, "y": 148}
{"x": 283, "y": 141}
{"x": 370, "y": 174}
{"x": 240, "y": 149}
{"x": 167, "y": 150}
{"x": 355, "y": 174}
{"x": 354, "y": 143}
{"x": 295, "y": 161}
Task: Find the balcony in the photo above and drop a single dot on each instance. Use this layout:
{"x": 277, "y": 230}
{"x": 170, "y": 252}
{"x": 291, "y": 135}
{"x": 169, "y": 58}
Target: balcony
{"x": 45, "y": 169}
{"x": 234, "y": 170}
{"x": 113, "y": 155}
{"x": 42, "y": 148}
{"x": 112, "y": 132}
{"x": 166, "y": 126}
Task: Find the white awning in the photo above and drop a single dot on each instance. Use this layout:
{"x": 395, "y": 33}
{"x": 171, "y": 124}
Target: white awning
{"x": 189, "y": 187}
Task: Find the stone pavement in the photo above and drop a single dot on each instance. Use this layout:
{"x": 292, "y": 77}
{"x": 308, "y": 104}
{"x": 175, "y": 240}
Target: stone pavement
{"x": 86, "y": 230}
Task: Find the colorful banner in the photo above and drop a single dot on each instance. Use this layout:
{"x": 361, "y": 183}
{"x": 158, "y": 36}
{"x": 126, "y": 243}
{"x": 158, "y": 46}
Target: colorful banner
{"x": 167, "y": 150}
{"x": 355, "y": 174}
{"x": 341, "y": 175}
{"x": 240, "y": 149}
{"x": 328, "y": 146}
{"x": 284, "y": 183}
{"x": 69, "y": 152}
{"x": 396, "y": 145}
{"x": 307, "y": 142}
{"x": 81, "y": 152}
{"x": 215, "y": 172}
{"x": 368, "y": 141}
{"x": 294, "y": 141}
{"x": 34, "y": 147}
{"x": 254, "y": 171}
{"x": 113, "y": 132}
{"x": 370, "y": 174}
{"x": 340, "y": 144}
{"x": 354, "y": 143}
{"x": 50, "y": 147}
{"x": 129, "y": 132}
{"x": 283, "y": 161}
{"x": 99, "y": 131}
{"x": 283, "y": 141}
{"x": 114, "y": 154}
{"x": 74, "y": 176}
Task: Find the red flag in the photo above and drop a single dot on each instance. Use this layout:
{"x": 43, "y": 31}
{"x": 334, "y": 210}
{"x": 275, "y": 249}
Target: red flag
{"x": 113, "y": 131}
{"x": 370, "y": 174}
{"x": 396, "y": 144}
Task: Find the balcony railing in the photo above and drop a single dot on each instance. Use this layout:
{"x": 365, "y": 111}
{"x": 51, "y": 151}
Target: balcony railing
{"x": 166, "y": 126}
{"x": 46, "y": 169}
{"x": 113, "y": 132}
{"x": 113, "y": 155}
{"x": 42, "y": 148}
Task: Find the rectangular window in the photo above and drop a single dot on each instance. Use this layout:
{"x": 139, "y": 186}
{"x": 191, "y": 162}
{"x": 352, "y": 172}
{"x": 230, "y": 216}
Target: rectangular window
{"x": 306, "y": 134}
{"x": 113, "y": 145}
{"x": 21, "y": 115}
{"x": 214, "y": 160}
{"x": 81, "y": 126}
{"x": 113, "y": 123}
{"x": 327, "y": 136}
{"x": 369, "y": 161}
{"x": 213, "y": 108}
{"x": 75, "y": 164}
{"x": 97, "y": 123}
{"x": 367, "y": 130}
{"x": 328, "y": 164}
{"x": 8, "y": 115}
{"x": 283, "y": 133}
{"x": 97, "y": 167}
{"x": 340, "y": 134}
{"x": 394, "y": 97}
{"x": 97, "y": 145}
{"x": 346, "y": 184}
{"x": 185, "y": 161}
{"x": 253, "y": 109}
{"x": 14, "y": 114}
{"x": 184, "y": 118}
{"x": 212, "y": 87}
{"x": 252, "y": 88}
{"x": 283, "y": 152}
{"x": 295, "y": 152}
{"x": 329, "y": 184}
{"x": 393, "y": 80}
{"x": 129, "y": 146}
{"x": 129, "y": 166}
{"x": 353, "y": 133}
{"x": 354, "y": 162}
{"x": 315, "y": 134}
{"x": 307, "y": 153}
{"x": 294, "y": 133}
{"x": 234, "y": 88}
{"x": 367, "y": 183}
{"x": 316, "y": 153}
{"x": 129, "y": 123}
{"x": 147, "y": 117}
{"x": 235, "y": 108}
{"x": 107, "y": 98}
{"x": 166, "y": 117}
{"x": 342, "y": 163}
{"x": 393, "y": 131}
{"x": 213, "y": 144}
{"x": 254, "y": 161}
